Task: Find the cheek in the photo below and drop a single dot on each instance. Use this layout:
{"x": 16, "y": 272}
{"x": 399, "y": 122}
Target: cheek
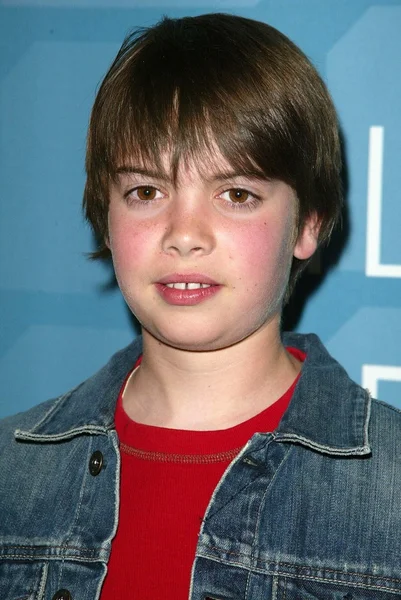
{"x": 263, "y": 250}
{"x": 129, "y": 243}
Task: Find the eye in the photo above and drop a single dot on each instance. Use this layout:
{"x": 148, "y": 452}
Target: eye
{"x": 240, "y": 197}
{"x": 144, "y": 193}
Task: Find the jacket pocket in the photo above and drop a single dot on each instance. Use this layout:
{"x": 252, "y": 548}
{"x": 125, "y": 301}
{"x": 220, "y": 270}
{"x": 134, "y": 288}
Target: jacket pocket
{"x": 288, "y": 588}
{"x": 22, "y": 580}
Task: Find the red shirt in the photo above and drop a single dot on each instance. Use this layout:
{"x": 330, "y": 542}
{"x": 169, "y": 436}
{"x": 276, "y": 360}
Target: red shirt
{"x": 167, "y": 479}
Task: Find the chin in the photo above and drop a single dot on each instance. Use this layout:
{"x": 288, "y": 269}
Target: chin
{"x": 192, "y": 340}
{"x": 192, "y": 345}
{"x": 202, "y": 341}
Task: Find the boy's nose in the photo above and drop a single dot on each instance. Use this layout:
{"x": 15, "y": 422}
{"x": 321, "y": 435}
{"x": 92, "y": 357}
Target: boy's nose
{"x": 189, "y": 231}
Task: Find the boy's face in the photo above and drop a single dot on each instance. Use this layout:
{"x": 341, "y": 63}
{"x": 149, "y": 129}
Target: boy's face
{"x": 233, "y": 234}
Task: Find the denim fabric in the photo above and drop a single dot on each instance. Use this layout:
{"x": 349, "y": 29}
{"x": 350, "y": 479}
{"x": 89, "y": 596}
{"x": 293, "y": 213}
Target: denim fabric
{"x": 309, "y": 511}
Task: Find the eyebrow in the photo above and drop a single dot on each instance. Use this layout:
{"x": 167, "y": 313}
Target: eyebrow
{"x": 154, "y": 174}
{"x": 251, "y": 174}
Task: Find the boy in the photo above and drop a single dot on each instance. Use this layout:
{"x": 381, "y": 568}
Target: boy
{"x": 213, "y": 458}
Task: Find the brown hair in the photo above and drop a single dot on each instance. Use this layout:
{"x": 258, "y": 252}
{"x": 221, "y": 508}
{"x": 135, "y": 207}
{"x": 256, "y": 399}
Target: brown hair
{"x": 222, "y": 80}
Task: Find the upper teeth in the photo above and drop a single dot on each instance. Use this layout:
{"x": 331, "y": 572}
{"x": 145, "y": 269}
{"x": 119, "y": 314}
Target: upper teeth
{"x": 187, "y": 286}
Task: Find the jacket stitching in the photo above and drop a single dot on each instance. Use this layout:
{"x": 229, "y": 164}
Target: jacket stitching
{"x": 257, "y": 528}
{"x": 324, "y": 449}
{"x": 356, "y": 584}
{"x": 42, "y": 583}
{"x": 52, "y": 558}
{"x": 78, "y": 510}
{"x": 302, "y": 568}
{"x": 62, "y": 547}
{"x": 54, "y": 407}
{"x": 368, "y": 406}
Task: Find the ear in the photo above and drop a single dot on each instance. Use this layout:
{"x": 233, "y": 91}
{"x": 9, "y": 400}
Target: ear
{"x": 307, "y": 240}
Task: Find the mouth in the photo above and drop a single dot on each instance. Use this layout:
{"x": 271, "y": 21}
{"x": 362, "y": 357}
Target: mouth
{"x": 187, "y": 285}
{"x": 187, "y": 289}
{"x": 187, "y": 281}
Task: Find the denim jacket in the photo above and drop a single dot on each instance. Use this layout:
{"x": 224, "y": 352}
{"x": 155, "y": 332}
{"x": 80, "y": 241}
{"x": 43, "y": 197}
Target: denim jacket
{"x": 309, "y": 511}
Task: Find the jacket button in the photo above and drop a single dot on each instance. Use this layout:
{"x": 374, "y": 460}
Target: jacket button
{"x": 62, "y": 595}
{"x": 95, "y": 464}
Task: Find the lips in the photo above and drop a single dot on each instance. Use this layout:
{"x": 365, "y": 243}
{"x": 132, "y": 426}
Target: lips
{"x": 187, "y": 289}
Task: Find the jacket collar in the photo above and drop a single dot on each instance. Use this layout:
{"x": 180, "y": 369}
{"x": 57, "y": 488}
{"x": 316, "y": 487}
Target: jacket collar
{"x": 328, "y": 412}
{"x": 89, "y": 408}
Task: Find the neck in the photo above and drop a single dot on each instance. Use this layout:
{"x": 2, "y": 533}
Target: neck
{"x": 209, "y": 390}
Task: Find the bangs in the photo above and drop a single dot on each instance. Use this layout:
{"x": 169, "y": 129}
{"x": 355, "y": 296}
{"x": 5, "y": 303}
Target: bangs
{"x": 189, "y": 98}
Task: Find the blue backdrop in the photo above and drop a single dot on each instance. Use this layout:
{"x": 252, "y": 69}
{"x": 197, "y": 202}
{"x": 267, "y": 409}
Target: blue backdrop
{"x": 59, "y": 320}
